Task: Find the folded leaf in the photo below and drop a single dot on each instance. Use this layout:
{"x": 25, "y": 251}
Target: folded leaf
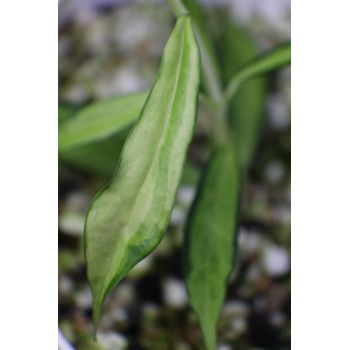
{"x": 128, "y": 218}
{"x": 101, "y": 158}
{"x": 209, "y": 241}
{"x": 100, "y": 120}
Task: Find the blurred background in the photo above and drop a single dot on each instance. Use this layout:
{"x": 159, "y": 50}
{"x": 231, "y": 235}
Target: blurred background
{"x": 112, "y": 47}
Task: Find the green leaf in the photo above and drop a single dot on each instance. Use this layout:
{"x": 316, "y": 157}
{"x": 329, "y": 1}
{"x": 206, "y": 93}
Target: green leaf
{"x": 128, "y": 217}
{"x": 246, "y": 109}
{"x": 246, "y": 118}
{"x": 209, "y": 240}
{"x": 66, "y": 110}
{"x": 191, "y": 173}
{"x": 210, "y": 67}
{"x": 100, "y": 157}
{"x": 100, "y": 120}
{"x": 277, "y": 58}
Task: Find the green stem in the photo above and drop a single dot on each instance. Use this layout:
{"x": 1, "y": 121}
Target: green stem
{"x": 210, "y": 68}
{"x": 178, "y": 7}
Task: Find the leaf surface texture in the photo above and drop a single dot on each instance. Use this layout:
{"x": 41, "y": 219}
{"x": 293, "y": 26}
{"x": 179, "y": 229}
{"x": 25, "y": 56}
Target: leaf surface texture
{"x": 128, "y": 218}
{"x": 209, "y": 241}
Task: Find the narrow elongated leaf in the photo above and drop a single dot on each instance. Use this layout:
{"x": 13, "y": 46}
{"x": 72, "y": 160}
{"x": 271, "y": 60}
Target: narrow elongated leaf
{"x": 66, "y": 110}
{"x": 100, "y": 120}
{"x": 277, "y": 58}
{"x": 209, "y": 241}
{"x": 247, "y": 111}
{"x": 128, "y": 218}
{"x": 100, "y": 157}
{"x": 246, "y": 108}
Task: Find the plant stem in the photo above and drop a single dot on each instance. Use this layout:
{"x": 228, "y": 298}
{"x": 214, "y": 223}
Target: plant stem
{"x": 221, "y": 135}
{"x": 210, "y": 69}
{"x": 178, "y": 7}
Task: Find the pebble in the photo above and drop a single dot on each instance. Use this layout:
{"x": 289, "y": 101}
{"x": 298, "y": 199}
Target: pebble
{"x": 186, "y": 194}
{"x": 275, "y": 260}
{"x": 71, "y": 223}
{"x": 83, "y": 298}
{"x": 249, "y": 242}
{"x": 224, "y": 347}
{"x": 125, "y": 293}
{"x": 182, "y": 346}
{"x": 277, "y": 319}
{"x": 115, "y": 314}
{"x": 174, "y": 293}
{"x": 238, "y": 325}
{"x": 150, "y": 310}
{"x": 235, "y": 308}
{"x": 277, "y": 111}
{"x": 253, "y": 273}
{"x": 281, "y": 214}
{"x": 112, "y": 341}
{"x": 65, "y": 284}
{"x": 178, "y": 216}
{"x": 274, "y": 171}
{"x": 72, "y": 218}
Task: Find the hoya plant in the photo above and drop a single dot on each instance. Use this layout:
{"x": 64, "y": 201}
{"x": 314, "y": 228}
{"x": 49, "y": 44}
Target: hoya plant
{"x": 129, "y": 216}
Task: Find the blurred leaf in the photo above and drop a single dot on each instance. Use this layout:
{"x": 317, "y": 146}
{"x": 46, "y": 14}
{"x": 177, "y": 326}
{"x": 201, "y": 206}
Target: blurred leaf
{"x": 246, "y": 110}
{"x": 100, "y": 120}
{"x": 209, "y": 240}
{"x": 128, "y": 217}
{"x": 276, "y": 58}
{"x": 65, "y": 110}
{"x": 100, "y": 157}
{"x": 68, "y": 260}
{"x": 191, "y": 173}
{"x": 246, "y": 117}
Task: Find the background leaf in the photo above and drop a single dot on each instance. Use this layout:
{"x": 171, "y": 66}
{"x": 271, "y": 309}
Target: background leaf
{"x": 272, "y": 60}
{"x": 128, "y": 218}
{"x": 100, "y": 120}
{"x": 100, "y": 157}
{"x": 209, "y": 241}
{"x": 246, "y": 109}
{"x": 66, "y": 110}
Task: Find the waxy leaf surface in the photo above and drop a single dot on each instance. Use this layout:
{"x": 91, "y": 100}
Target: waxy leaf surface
{"x": 128, "y": 218}
{"x": 210, "y": 239}
{"x": 100, "y": 120}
